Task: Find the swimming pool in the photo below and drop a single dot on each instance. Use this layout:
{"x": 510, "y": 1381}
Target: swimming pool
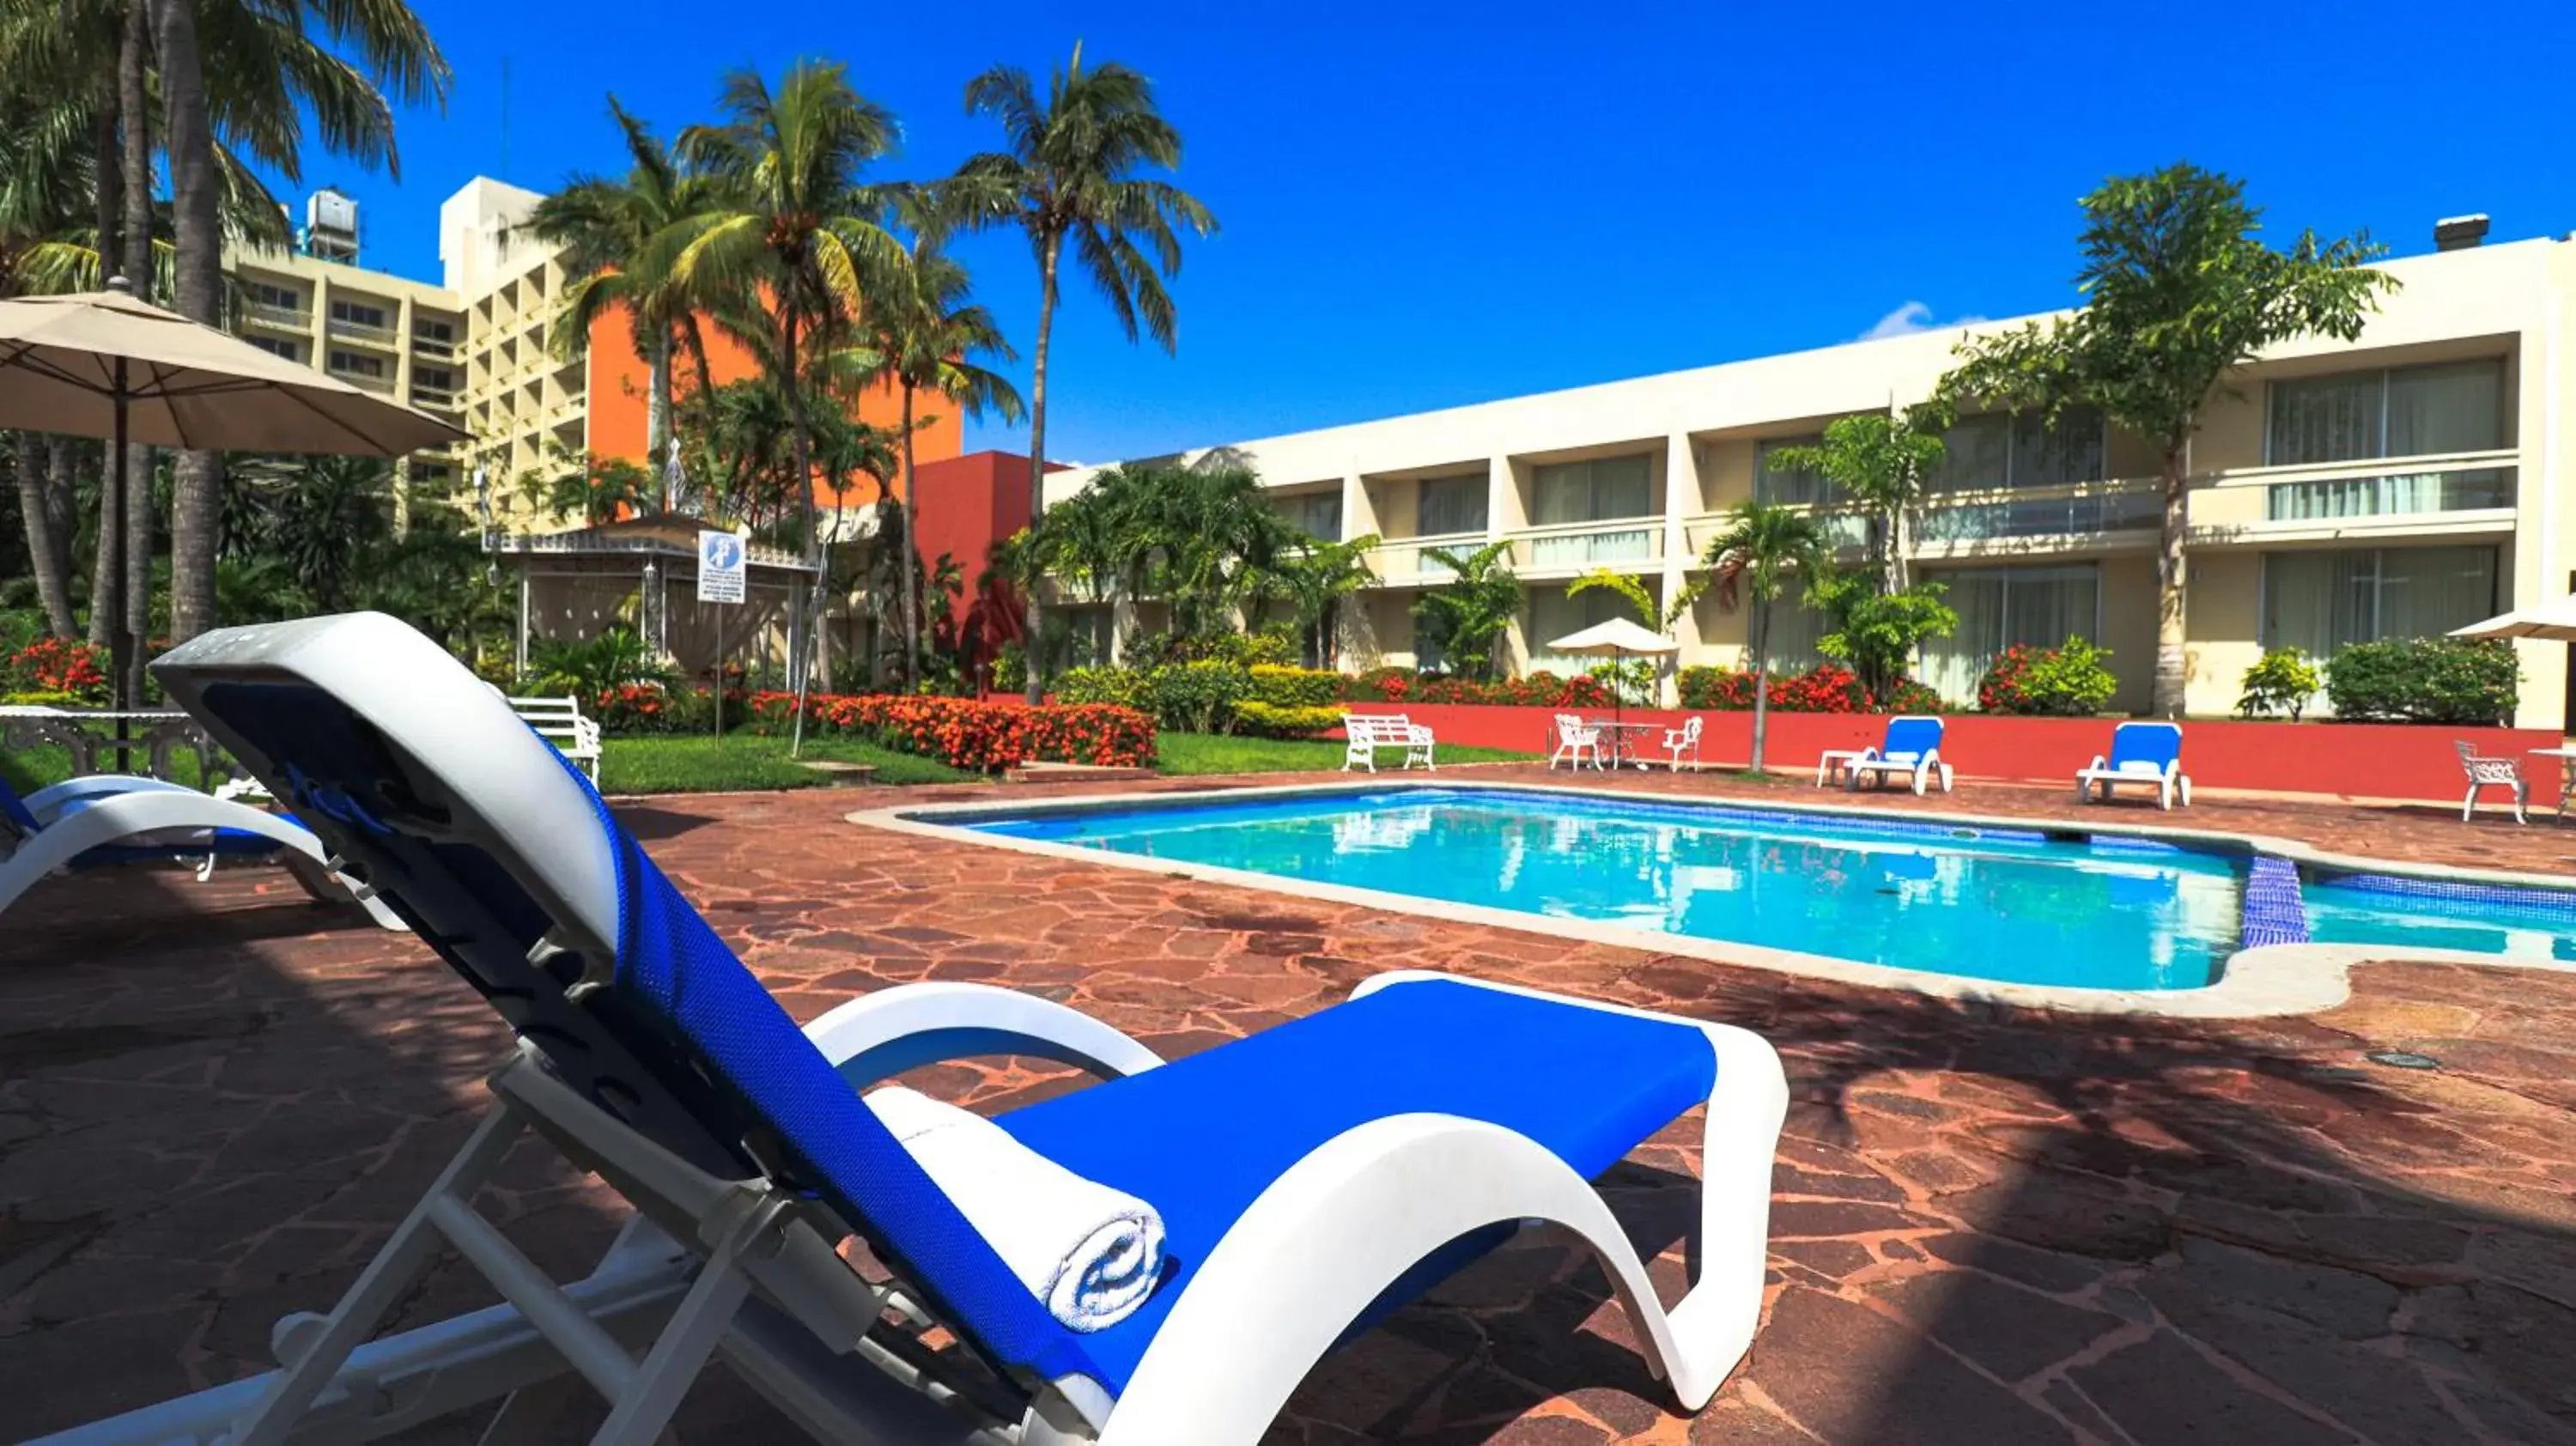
{"x": 2045, "y": 907}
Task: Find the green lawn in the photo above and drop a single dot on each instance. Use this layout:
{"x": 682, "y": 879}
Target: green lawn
{"x": 1190, "y": 753}
{"x": 699, "y": 764}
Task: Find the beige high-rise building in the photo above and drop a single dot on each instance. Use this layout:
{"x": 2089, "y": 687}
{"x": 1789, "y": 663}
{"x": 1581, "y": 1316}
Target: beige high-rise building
{"x": 527, "y": 408}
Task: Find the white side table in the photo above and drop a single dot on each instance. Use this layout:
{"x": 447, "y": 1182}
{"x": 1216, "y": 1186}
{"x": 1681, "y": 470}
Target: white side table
{"x": 1835, "y": 763}
{"x": 2566, "y": 776}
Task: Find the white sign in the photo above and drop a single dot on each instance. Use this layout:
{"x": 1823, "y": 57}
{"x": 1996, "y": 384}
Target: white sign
{"x": 720, "y": 567}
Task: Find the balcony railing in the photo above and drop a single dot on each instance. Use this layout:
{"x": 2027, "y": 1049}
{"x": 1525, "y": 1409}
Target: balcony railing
{"x": 1401, "y": 560}
{"x": 2058, "y": 512}
{"x": 436, "y": 399}
{"x": 1589, "y": 544}
{"x": 290, "y": 318}
{"x": 2445, "y": 490}
{"x": 432, "y": 347}
{"x": 362, "y": 332}
{"x": 362, "y": 379}
{"x": 2459, "y": 489}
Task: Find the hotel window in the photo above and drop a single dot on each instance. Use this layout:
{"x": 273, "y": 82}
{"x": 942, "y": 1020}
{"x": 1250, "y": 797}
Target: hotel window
{"x": 431, "y": 330}
{"x": 1773, "y": 484}
{"x": 358, "y": 314}
{"x": 2399, "y": 412}
{"x": 1790, "y": 643}
{"x": 1570, "y": 492}
{"x": 1451, "y": 505}
{"x": 1317, "y": 514}
{"x": 357, "y": 363}
{"x": 2319, "y": 601}
{"x": 2001, "y": 606}
{"x": 2001, "y": 450}
{"x": 435, "y": 379}
{"x": 275, "y": 346}
{"x": 1555, "y": 615}
{"x": 284, "y": 298}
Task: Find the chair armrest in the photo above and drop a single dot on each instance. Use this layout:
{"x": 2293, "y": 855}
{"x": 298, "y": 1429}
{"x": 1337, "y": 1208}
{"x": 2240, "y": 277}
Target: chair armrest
{"x": 2098, "y": 764}
{"x": 585, "y": 735}
{"x": 880, "y": 1035}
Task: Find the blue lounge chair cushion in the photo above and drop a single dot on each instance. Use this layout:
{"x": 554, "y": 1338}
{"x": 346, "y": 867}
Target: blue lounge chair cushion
{"x": 1203, "y": 1136}
{"x": 1911, "y": 737}
{"x": 2156, "y": 744}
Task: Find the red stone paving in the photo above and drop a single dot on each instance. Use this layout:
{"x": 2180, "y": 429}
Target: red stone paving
{"x": 1989, "y": 1225}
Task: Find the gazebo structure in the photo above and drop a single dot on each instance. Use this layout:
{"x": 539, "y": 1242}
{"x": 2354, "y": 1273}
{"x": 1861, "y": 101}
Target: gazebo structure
{"x": 643, "y": 572}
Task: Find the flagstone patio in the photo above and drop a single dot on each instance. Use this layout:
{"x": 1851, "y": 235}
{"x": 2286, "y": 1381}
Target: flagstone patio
{"x": 1988, "y": 1226}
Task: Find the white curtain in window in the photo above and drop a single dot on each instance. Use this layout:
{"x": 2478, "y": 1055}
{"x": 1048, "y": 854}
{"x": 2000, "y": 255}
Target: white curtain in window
{"x": 1570, "y": 492}
{"x": 1774, "y": 485}
{"x": 2319, "y": 601}
{"x": 1791, "y": 646}
{"x": 2425, "y": 592}
{"x": 2059, "y": 456}
{"x": 2452, "y": 408}
{"x": 2326, "y": 419}
{"x": 1592, "y": 547}
{"x": 1451, "y": 504}
{"x": 1979, "y": 454}
{"x": 1999, "y": 607}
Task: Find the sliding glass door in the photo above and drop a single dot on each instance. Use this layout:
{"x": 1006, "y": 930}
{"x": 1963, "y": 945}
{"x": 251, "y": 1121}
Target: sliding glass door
{"x": 1999, "y": 607}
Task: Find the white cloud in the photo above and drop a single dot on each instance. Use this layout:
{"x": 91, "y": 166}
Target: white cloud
{"x": 1910, "y": 318}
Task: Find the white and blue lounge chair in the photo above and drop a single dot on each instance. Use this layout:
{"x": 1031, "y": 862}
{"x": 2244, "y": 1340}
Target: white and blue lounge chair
{"x": 1910, "y": 750}
{"x": 1309, "y": 1178}
{"x": 2142, "y": 753}
{"x": 112, "y": 818}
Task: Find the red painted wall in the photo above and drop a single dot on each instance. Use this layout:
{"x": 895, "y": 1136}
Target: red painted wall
{"x": 965, "y": 505}
{"x": 2363, "y": 760}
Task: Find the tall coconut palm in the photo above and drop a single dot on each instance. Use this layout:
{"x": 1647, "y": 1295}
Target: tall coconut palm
{"x": 798, "y": 224}
{"x": 608, "y": 231}
{"x": 927, "y": 336}
{"x": 1072, "y": 175}
{"x": 1749, "y": 563}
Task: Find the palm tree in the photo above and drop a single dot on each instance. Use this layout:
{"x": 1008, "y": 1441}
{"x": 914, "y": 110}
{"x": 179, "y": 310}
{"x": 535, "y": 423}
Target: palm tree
{"x": 1071, "y": 175}
{"x": 1467, "y": 616}
{"x": 608, "y": 231}
{"x": 1313, "y": 577}
{"x": 1749, "y": 562}
{"x": 1203, "y": 537}
{"x": 927, "y": 335}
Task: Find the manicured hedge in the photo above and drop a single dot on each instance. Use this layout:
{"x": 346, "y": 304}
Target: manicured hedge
{"x": 970, "y": 733}
{"x": 2424, "y": 680}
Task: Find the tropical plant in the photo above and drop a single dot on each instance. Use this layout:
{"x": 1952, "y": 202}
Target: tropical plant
{"x": 2069, "y": 680}
{"x": 1749, "y": 562}
{"x": 1876, "y": 633}
{"x": 1204, "y": 537}
{"x": 610, "y": 232}
{"x": 1631, "y": 589}
{"x": 928, "y": 337}
{"x": 797, "y": 227}
{"x": 1880, "y": 462}
{"x": 1466, "y": 618}
{"x": 2180, "y": 291}
{"x": 616, "y": 657}
{"x": 1071, "y": 173}
{"x": 1312, "y": 576}
{"x": 2281, "y": 681}
{"x": 592, "y": 490}
{"x": 2425, "y": 680}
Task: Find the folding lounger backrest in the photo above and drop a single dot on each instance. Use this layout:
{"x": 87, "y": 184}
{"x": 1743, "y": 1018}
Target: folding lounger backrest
{"x": 2149, "y": 747}
{"x": 1910, "y": 737}
{"x": 501, "y": 857}
{"x": 16, "y": 819}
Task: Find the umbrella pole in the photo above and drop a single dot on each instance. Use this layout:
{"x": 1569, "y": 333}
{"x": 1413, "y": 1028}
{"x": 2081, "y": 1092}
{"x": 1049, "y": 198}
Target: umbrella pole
{"x": 124, "y": 689}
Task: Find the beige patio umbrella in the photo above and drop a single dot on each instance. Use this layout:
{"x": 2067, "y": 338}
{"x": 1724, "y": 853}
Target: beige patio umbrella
{"x": 2551, "y": 620}
{"x": 102, "y": 364}
{"x": 1616, "y": 638}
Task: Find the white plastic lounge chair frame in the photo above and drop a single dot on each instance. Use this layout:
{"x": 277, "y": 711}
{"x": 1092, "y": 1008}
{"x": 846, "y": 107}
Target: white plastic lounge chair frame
{"x": 104, "y": 810}
{"x": 1574, "y": 739}
{"x": 1917, "y": 765}
{"x": 1366, "y": 733}
{"x": 2483, "y": 772}
{"x": 2167, "y": 779}
{"x": 559, "y": 721}
{"x": 742, "y": 1267}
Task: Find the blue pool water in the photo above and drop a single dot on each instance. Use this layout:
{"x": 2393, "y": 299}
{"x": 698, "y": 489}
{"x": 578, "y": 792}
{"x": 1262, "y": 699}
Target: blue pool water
{"x": 2001, "y": 904}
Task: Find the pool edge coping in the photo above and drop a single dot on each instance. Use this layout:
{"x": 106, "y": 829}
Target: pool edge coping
{"x": 2266, "y": 981}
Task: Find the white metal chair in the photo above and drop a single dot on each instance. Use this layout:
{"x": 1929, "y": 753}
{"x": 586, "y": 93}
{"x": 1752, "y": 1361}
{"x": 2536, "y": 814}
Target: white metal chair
{"x": 1574, "y": 739}
{"x": 2505, "y": 773}
{"x": 1309, "y": 1176}
{"x": 1366, "y": 733}
{"x": 1685, "y": 739}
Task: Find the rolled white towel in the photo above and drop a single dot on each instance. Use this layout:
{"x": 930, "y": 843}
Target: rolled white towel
{"x": 1093, "y": 1254}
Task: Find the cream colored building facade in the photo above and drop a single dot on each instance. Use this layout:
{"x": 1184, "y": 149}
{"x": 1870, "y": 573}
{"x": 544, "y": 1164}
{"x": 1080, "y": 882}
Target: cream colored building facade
{"x": 471, "y": 351}
{"x": 2410, "y": 481}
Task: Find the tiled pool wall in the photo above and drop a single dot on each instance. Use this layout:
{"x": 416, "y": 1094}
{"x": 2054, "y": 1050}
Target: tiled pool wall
{"x": 2275, "y": 911}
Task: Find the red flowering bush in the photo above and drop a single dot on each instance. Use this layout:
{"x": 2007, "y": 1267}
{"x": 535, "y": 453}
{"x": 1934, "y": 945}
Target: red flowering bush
{"x": 1826, "y": 688}
{"x": 2064, "y": 681}
{"x": 1541, "y": 689}
{"x": 987, "y": 735}
{"x": 75, "y": 671}
{"x": 632, "y": 708}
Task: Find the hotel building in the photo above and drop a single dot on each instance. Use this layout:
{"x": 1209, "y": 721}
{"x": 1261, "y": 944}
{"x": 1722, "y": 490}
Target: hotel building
{"x": 2399, "y": 485}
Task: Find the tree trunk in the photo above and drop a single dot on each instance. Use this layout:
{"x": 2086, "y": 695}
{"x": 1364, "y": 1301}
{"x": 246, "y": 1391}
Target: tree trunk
{"x": 911, "y": 560}
{"x": 45, "y": 555}
{"x": 134, "y": 108}
{"x": 107, "y": 560}
{"x": 1047, "y": 258}
{"x": 196, "y": 504}
{"x": 2171, "y": 672}
{"x": 658, "y": 454}
{"x": 809, "y": 606}
{"x": 1895, "y": 550}
{"x": 1761, "y": 681}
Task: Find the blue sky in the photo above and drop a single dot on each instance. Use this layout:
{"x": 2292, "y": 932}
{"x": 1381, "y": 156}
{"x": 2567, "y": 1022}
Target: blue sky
{"x": 1424, "y": 207}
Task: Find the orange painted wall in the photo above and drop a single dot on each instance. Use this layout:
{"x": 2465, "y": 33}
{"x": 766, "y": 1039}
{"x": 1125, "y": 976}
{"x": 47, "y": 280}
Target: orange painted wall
{"x": 619, "y": 381}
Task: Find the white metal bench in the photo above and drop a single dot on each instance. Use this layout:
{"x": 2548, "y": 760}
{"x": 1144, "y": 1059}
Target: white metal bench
{"x": 1369, "y": 732}
{"x": 559, "y": 721}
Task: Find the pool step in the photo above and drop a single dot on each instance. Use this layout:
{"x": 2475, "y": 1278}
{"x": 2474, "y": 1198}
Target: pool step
{"x": 2275, "y": 911}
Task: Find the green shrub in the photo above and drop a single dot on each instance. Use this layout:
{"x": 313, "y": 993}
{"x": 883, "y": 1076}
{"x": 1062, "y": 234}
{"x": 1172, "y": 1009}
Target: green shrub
{"x": 1270, "y": 720}
{"x": 2282, "y": 682}
{"x": 2065, "y": 681}
{"x": 2424, "y": 680}
{"x": 1276, "y": 685}
{"x": 1196, "y": 697}
{"x": 1122, "y": 686}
